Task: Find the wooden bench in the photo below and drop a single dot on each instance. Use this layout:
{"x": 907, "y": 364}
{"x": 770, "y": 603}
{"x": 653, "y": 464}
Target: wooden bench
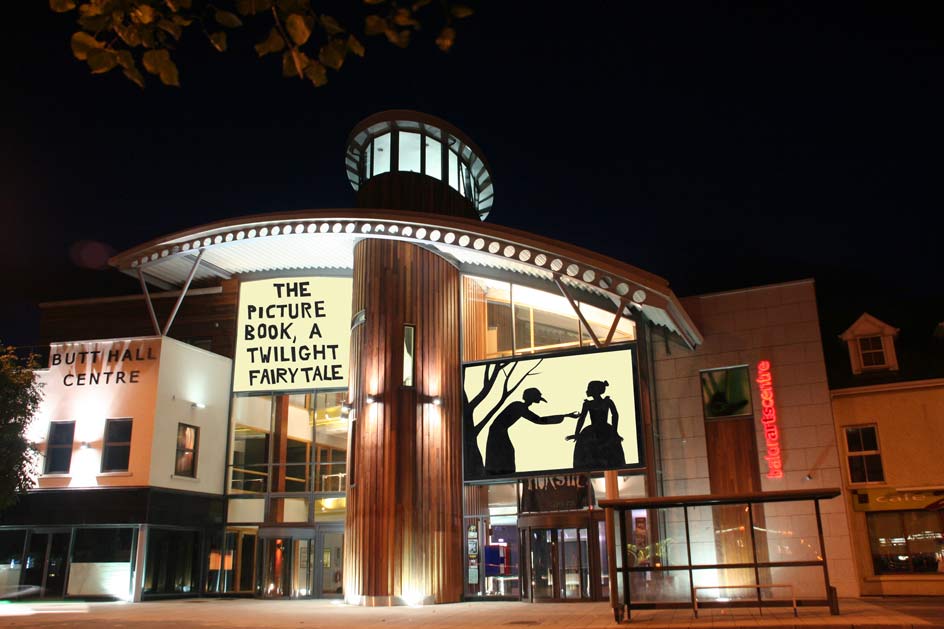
{"x": 751, "y": 586}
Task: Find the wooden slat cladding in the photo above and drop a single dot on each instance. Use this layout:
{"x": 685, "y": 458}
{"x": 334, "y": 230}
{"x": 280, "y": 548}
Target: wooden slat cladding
{"x": 206, "y": 317}
{"x": 474, "y": 330}
{"x": 404, "y": 505}
{"x": 414, "y": 192}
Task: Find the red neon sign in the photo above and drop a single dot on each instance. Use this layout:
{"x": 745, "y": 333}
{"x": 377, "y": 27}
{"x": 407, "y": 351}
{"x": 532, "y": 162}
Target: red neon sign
{"x": 768, "y": 417}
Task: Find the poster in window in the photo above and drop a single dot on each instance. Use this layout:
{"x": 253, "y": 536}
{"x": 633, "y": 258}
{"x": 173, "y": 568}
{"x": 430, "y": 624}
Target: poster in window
{"x": 553, "y": 413}
{"x": 726, "y": 392}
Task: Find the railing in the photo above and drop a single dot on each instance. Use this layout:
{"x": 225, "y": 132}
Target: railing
{"x": 734, "y": 543}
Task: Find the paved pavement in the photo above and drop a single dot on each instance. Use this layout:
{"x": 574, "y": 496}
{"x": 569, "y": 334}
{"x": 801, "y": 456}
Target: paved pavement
{"x": 910, "y": 613}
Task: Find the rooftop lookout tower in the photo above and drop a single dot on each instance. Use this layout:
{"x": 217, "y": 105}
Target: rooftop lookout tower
{"x": 407, "y": 160}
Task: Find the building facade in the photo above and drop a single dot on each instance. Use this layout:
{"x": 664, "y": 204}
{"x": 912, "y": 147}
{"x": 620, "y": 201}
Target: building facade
{"x": 889, "y": 415}
{"x": 400, "y": 403}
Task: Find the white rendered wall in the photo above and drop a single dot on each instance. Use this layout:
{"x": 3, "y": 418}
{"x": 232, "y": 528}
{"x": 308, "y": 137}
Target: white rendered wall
{"x": 778, "y": 323}
{"x": 90, "y": 405}
{"x": 190, "y": 378}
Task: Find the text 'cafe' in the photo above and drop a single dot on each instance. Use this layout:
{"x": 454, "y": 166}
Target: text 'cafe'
{"x": 401, "y": 403}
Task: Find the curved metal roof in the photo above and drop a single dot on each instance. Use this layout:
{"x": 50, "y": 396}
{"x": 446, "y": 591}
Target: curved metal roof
{"x": 323, "y": 241}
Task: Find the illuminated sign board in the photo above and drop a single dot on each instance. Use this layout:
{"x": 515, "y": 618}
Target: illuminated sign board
{"x": 106, "y": 363}
{"x": 768, "y": 417}
{"x": 293, "y": 334}
{"x": 554, "y": 413}
{"x": 884, "y": 499}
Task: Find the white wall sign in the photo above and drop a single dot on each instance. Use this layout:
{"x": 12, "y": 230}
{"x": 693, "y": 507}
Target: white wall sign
{"x": 293, "y": 333}
{"x": 553, "y": 413}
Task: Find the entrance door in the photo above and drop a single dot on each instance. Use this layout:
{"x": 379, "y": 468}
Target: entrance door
{"x": 47, "y": 563}
{"x": 329, "y": 562}
{"x": 560, "y": 563}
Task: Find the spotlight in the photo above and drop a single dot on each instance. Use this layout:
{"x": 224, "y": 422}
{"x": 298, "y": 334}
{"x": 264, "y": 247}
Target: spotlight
{"x": 370, "y": 399}
{"x": 437, "y": 401}
{"x": 85, "y": 445}
{"x": 197, "y": 405}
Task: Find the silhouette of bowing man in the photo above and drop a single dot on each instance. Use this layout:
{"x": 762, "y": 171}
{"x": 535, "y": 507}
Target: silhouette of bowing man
{"x": 499, "y": 451}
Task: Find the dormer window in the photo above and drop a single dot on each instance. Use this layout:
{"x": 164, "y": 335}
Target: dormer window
{"x": 871, "y": 344}
{"x": 871, "y": 351}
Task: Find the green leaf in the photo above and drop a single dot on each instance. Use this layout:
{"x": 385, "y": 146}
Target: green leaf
{"x": 135, "y": 76}
{"x": 294, "y": 63}
{"x": 125, "y": 59}
{"x": 143, "y": 14}
{"x": 398, "y": 38}
{"x": 129, "y": 34}
{"x": 218, "y": 40}
{"x": 159, "y": 62}
{"x": 94, "y": 23}
{"x": 61, "y": 6}
{"x": 272, "y": 43}
{"x": 168, "y": 26}
{"x": 83, "y": 43}
{"x": 297, "y": 29}
{"x": 316, "y": 73}
{"x": 183, "y": 21}
{"x": 102, "y": 60}
{"x": 252, "y": 7}
{"x": 374, "y": 25}
{"x": 332, "y": 54}
{"x": 447, "y": 37}
{"x": 331, "y": 25}
{"x": 403, "y": 17}
{"x": 355, "y": 46}
{"x": 460, "y": 11}
{"x": 227, "y": 19}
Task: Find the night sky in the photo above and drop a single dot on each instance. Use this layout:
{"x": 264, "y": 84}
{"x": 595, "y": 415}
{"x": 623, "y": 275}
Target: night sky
{"x": 720, "y": 145}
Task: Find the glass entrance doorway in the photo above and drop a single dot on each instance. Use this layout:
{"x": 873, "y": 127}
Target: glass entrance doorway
{"x": 564, "y": 563}
{"x": 46, "y": 564}
{"x": 303, "y": 563}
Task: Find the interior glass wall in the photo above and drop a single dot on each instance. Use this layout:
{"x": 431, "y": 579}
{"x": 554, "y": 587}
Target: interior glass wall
{"x": 287, "y": 483}
{"x": 506, "y": 319}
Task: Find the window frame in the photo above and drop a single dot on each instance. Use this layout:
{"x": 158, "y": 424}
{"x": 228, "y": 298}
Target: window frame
{"x": 195, "y": 450}
{"x": 107, "y": 444}
{"x": 872, "y": 352}
{"x": 70, "y": 447}
{"x": 862, "y": 454}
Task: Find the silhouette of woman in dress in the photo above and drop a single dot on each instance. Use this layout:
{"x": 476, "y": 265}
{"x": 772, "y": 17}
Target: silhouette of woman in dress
{"x": 499, "y": 451}
{"x": 598, "y": 446}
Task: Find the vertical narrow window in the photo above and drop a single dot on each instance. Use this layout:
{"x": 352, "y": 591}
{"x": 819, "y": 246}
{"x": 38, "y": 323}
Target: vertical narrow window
{"x": 864, "y": 456}
{"x": 453, "y": 170}
{"x": 368, "y": 152}
{"x": 59, "y": 447}
{"x": 188, "y": 443}
{"x": 433, "y": 157}
{"x": 410, "y": 148}
{"x": 117, "y": 449}
{"x": 409, "y": 333}
{"x": 382, "y": 154}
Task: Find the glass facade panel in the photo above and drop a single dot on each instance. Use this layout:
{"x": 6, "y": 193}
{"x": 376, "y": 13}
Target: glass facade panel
{"x": 453, "y": 170}
{"x": 906, "y": 542}
{"x": 173, "y": 562}
{"x": 433, "y": 157}
{"x": 381, "y": 160}
{"x": 409, "y": 152}
{"x": 102, "y": 545}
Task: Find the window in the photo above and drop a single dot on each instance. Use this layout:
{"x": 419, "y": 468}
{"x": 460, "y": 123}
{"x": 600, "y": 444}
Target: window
{"x": 409, "y": 332}
{"x": 59, "y": 447}
{"x": 409, "y": 152}
{"x": 117, "y": 448}
{"x": 382, "y": 154}
{"x": 865, "y": 460}
{"x": 904, "y": 542}
{"x": 872, "y": 352}
{"x": 188, "y": 442}
{"x": 453, "y": 170}
{"x": 433, "y": 157}
{"x": 726, "y": 392}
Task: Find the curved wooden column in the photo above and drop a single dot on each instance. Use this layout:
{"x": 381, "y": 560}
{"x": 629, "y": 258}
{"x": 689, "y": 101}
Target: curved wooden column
{"x": 403, "y": 536}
